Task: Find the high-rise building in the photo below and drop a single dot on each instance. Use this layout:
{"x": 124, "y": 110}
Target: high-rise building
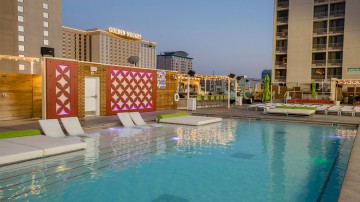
{"x": 175, "y": 61}
{"x": 112, "y": 46}
{"x": 29, "y": 29}
{"x": 315, "y": 40}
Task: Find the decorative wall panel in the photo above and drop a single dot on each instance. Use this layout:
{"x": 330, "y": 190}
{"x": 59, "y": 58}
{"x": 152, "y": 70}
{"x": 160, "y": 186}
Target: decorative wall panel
{"x": 61, "y": 88}
{"x": 130, "y": 89}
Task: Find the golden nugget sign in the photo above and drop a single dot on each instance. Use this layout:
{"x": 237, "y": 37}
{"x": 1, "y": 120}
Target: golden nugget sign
{"x": 124, "y": 33}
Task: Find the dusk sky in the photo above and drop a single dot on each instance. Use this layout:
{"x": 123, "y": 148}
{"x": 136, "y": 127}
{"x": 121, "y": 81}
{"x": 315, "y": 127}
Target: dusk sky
{"x": 231, "y": 36}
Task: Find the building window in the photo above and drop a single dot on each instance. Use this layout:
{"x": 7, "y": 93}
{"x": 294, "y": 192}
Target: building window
{"x": 20, "y": 9}
{"x": 46, "y": 42}
{"x": 21, "y": 28}
{"x": 46, "y": 24}
{"x": 45, "y": 15}
{"x": 45, "y": 6}
{"x": 22, "y": 1}
{"x": 21, "y": 48}
{"x": 20, "y": 18}
{"x": 21, "y": 67}
{"x": 21, "y": 38}
{"x": 46, "y": 33}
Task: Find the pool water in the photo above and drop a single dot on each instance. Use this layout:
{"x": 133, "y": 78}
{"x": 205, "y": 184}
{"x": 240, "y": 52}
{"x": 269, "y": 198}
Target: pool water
{"x": 231, "y": 161}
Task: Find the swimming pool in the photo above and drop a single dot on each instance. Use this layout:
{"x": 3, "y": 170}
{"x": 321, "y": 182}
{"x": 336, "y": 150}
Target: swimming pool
{"x": 231, "y": 161}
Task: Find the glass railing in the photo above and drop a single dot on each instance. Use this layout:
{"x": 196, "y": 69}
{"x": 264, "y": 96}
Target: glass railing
{"x": 319, "y": 46}
{"x": 337, "y": 13}
{"x": 334, "y": 76}
{"x": 336, "y": 0}
{"x": 319, "y": 62}
{"x": 282, "y": 19}
{"x": 280, "y": 78}
{"x": 284, "y": 4}
{"x": 280, "y": 64}
{"x": 335, "y": 62}
{"x": 320, "y": 31}
{"x": 320, "y": 15}
{"x": 320, "y": 1}
{"x": 281, "y": 34}
{"x": 281, "y": 49}
{"x": 335, "y": 45}
{"x": 318, "y": 77}
{"x": 336, "y": 29}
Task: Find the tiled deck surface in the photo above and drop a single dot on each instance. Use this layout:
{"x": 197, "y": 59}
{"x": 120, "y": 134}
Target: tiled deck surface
{"x": 351, "y": 185}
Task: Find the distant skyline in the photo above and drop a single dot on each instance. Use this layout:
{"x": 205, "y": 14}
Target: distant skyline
{"x": 232, "y": 37}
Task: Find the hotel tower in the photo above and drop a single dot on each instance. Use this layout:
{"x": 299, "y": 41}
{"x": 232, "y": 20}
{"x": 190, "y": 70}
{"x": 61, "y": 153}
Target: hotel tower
{"x": 314, "y": 41}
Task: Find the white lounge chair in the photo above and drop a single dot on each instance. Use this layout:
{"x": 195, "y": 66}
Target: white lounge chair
{"x": 139, "y": 121}
{"x": 51, "y": 128}
{"x": 73, "y": 127}
{"x": 126, "y": 119}
{"x": 322, "y": 109}
{"x": 333, "y": 109}
{"x": 347, "y": 110}
{"x": 356, "y": 110}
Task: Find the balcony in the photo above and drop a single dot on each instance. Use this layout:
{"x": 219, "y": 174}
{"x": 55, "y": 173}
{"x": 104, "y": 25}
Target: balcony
{"x": 280, "y": 64}
{"x": 336, "y": 30}
{"x": 334, "y": 76}
{"x": 337, "y": 1}
{"x": 319, "y": 62}
{"x": 319, "y": 46}
{"x": 282, "y": 20}
{"x": 320, "y": 31}
{"x": 334, "y": 62}
{"x": 280, "y": 78}
{"x": 281, "y": 35}
{"x": 283, "y": 5}
{"x": 320, "y": 1}
{"x": 281, "y": 49}
{"x": 318, "y": 77}
{"x": 336, "y": 46}
{"x": 320, "y": 15}
{"x": 337, "y": 13}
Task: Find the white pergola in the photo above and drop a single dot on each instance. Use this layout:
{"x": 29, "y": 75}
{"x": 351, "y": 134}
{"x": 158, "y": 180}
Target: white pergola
{"x": 335, "y": 82}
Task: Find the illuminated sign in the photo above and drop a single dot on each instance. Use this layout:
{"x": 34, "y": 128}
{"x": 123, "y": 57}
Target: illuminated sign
{"x": 353, "y": 70}
{"x": 124, "y": 33}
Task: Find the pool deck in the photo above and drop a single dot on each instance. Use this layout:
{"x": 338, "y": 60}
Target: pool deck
{"x": 351, "y": 186}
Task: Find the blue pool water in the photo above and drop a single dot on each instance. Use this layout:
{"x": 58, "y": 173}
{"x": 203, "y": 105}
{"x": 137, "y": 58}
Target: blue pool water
{"x": 233, "y": 161}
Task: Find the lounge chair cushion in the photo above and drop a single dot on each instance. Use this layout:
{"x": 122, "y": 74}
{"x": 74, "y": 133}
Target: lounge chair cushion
{"x": 163, "y": 116}
{"x": 19, "y": 133}
{"x": 10, "y": 152}
{"x": 50, "y": 145}
{"x": 126, "y": 119}
{"x": 72, "y": 126}
{"x": 136, "y": 117}
{"x": 51, "y": 128}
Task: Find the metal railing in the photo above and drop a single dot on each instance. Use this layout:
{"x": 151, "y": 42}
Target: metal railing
{"x": 318, "y": 77}
{"x": 284, "y": 4}
{"x": 319, "y": 46}
{"x": 281, "y": 49}
{"x": 282, "y": 19}
{"x": 336, "y": 0}
{"x": 320, "y": 31}
{"x": 336, "y": 46}
{"x": 281, "y": 34}
{"x": 320, "y": 15}
{"x": 319, "y": 62}
{"x": 337, "y": 13}
{"x": 336, "y": 29}
{"x": 320, "y": 1}
{"x": 335, "y": 62}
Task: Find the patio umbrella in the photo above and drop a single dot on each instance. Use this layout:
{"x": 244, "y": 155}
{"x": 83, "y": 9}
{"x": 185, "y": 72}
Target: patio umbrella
{"x": 266, "y": 92}
{"x": 313, "y": 92}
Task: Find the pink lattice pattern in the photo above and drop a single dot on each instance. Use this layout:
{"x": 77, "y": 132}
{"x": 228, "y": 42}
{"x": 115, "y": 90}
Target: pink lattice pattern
{"x": 62, "y": 90}
{"x": 131, "y": 90}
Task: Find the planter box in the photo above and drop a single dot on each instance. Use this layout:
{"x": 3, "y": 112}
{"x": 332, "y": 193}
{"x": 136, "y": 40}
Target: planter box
{"x": 311, "y": 101}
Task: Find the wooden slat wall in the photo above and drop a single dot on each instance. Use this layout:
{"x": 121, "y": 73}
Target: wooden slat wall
{"x": 283, "y": 90}
{"x": 37, "y": 96}
{"x": 19, "y": 97}
{"x": 85, "y": 71}
{"x": 165, "y": 97}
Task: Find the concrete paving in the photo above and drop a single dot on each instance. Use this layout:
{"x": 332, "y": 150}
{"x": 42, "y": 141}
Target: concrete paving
{"x": 351, "y": 186}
